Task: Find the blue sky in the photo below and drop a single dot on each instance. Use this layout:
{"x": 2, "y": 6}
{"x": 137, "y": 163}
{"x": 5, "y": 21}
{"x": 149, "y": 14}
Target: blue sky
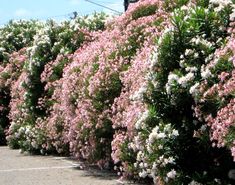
{"x": 56, "y": 9}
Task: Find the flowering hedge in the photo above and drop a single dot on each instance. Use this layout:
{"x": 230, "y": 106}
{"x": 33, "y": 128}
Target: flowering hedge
{"x": 47, "y": 57}
{"x": 170, "y": 140}
{"x": 150, "y": 93}
{"x": 93, "y": 81}
{"x": 15, "y": 36}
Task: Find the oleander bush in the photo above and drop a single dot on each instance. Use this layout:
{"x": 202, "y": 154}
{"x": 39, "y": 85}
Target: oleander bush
{"x": 93, "y": 81}
{"x": 14, "y": 36}
{"x": 149, "y": 93}
{"x": 169, "y": 143}
{"x": 32, "y": 93}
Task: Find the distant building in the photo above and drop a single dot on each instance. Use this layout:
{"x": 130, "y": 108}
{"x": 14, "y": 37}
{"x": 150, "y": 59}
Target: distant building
{"x": 127, "y": 2}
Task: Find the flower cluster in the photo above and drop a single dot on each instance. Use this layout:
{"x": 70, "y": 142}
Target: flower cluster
{"x": 154, "y": 156}
{"x": 217, "y": 92}
{"x": 16, "y": 35}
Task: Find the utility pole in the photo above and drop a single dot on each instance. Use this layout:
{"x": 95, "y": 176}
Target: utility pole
{"x": 127, "y": 2}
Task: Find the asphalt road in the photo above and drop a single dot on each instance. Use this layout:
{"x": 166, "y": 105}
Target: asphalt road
{"x": 22, "y": 169}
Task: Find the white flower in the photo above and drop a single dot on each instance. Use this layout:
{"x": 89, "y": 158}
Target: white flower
{"x": 182, "y": 63}
{"x": 161, "y": 135}
{"x": 143, "y": 174}
{"x": 183, "y": 81}
{"x": 160, "y": 147}
{"x": 140, "y": 124}
{"x": 149, "y": 171}
{"x": 27, "y": 130}
{"x": 168, "y": 89}
{"x": 171, "y": 174}
{"x": 167, "y": 127}
{"x": 152, "y": 137}
{"x": 199, "y": 40}
{"x": 206, "y": 43}
{"x": 195, "y": 40}
{"x": 154, "y": 58}
{"x": 232, "y": 15}
{"x": 149, "y": 149}
{"x": 196, "y": 55}
{"x": 209, "y": 58}
{"x": 203, "y": 128}
{"x": 188, "y": 52}
{"x": 154, "y": 166}
{"x": 221, "y": 4}
{"x": 205, "y": 74}
{"x": 175, "y": 132}
{"x": 21, "y": 130}
{"x": 172, "y": 78}
{"x": 169, "y": 160}
{"x": 139, "y": 95}
{"x": 132, "y": 146}
{"x": 141, "y": 165}
{"x": 191, "y": 69}
{"x": 140, "y": 155}
{"x": 186, "y": 18}
{"x": 194, "y": 89}
{"x": 184, "y": 7}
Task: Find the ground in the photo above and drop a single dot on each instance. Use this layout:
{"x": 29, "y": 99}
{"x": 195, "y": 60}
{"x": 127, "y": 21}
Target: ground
{"x": 23, "y": 169}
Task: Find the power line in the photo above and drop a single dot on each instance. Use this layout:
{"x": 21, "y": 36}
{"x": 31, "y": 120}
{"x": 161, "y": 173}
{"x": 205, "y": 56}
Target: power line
{"x": 103, "y": 6}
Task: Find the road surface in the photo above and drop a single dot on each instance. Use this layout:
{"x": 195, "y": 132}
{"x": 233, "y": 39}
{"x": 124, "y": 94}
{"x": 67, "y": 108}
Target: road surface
{"x": 22, "y": 169}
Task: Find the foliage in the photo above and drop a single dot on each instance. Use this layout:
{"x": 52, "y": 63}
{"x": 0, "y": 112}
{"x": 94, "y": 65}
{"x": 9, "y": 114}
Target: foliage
{"x": 150, "y": 92}
{"x": 49, "y": 52}
{"x": 170, "y": 144}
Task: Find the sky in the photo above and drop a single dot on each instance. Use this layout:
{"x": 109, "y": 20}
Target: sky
{"x": 55, "y": 9}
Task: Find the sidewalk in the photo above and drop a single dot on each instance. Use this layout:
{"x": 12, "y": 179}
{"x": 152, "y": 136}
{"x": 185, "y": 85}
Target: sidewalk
{"x": 20, "y": 169}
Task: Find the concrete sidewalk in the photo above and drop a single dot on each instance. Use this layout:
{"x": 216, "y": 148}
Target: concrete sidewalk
{"x": 20, "y": 169}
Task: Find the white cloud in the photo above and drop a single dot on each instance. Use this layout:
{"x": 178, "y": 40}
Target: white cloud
{"x": 22, "y": 12}
{"x": 74, "y": 2}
